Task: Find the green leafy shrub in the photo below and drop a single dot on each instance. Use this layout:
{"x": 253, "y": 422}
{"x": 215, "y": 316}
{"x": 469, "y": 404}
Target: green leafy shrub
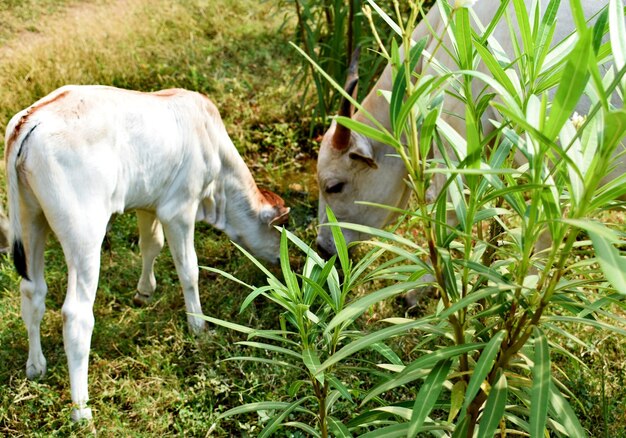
{"x": 317, "y": 317}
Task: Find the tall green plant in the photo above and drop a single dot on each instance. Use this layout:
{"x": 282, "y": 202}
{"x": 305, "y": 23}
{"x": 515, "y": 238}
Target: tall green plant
{"x": 315, "y": 321}
{"x": 504, "y": 292}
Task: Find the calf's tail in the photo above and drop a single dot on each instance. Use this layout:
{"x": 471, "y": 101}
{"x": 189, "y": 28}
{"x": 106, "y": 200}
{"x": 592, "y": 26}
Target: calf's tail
{"x": 14, "y": 155}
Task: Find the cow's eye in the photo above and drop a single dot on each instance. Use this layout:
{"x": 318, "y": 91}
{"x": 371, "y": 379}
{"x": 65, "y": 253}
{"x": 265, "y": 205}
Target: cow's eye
{"x": 335, "y": 188}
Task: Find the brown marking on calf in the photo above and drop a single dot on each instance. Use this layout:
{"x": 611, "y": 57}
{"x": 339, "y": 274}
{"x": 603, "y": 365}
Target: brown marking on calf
{"x": 168, "y": 93}
{"x": 271, "y": 198}
{"x": 29, "y": 112}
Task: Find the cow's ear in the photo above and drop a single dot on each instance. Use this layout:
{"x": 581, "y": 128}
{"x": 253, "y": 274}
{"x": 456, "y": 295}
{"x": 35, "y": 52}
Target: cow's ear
{"x": 363, "y": 151}
{"x": 274, "y": 215}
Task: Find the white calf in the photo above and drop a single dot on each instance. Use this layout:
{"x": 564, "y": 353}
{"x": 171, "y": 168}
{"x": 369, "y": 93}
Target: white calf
{"x": 83, "y": 153}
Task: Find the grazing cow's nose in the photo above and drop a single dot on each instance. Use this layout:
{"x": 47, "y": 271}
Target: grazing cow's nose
{"x": 323, "y": 251}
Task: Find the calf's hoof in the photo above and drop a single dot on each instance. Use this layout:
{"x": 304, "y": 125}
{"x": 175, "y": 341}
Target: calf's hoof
{"x": 197, "y": 326}
{"x": 80, "y": 414}
{"x": 36, "y": 369}
{"x": 141, "y": 300}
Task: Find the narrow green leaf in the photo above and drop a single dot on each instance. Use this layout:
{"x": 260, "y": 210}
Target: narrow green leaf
{"x": 613, "y": 265}
{"x": 400, "y": 83}
{"x": 388, "y": 353}
{"x": 253, "y": 295}
{"x": 227, "y": 324}
{"x": 428, "y": 395}
{"x": 380, "y": 233}
{"x": 278, "y": 363}
{"x": 579, "y": 15}
{"x": 482, "y": 369}
{"x": 319, "y": 290}
{"x": 368, "y": 131}
{"x": 370, "y": 339}
{"x": 305, "y": 427}
{"x": 270, "y": 347}
{"x": 463, "y": 38}
{"x": 417, "y": 368}
{"x": 495, "y": 69}
{"x": 304, "y": 248}
{"x": 227, "y": 275}
{"x": 494, "y": 408}
{"x": 295, "y": 386}
{"x": 338, "y": 429}
{"x": 617, "y": 30}
{"x": 392, "y": 24}
{"x": 255, "y": 407}
{"x": 614, "y": 128}
{"x": 352, "y": 311}
{"x": 340, "y": 242}
{"x": 276, "y": 422}
{"x": 586, "y": 321}
{"x": 571, "y": 87}
{"x": 340, "y": 387}
{"x": 457, "y": 394}
{"x": 398, "y": 411}
{"x": 545, "y": 32}
{"x": 540, "y": 391}
{"x": 565, "y": 414}
{"x": 312, "y": 362}
{"x": 465, "y": 302}
{"x": 523, "y": 23}
{"x": 290, "y": 278}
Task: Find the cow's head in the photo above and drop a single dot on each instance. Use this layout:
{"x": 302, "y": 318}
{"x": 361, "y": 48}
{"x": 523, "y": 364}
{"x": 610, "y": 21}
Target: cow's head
{"x": 353, "y": 168}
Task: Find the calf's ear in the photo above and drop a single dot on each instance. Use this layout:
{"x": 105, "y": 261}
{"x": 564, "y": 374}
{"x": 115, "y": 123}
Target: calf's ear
{"x": 363, "y": 151}
{"x": 281, "y": 218}
{"x": 274, "y": 215}
{"x": 274, "y": 211}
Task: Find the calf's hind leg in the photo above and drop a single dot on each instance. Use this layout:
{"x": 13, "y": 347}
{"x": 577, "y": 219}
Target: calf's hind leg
{"x": 82, "y": 253}
{"x": 150, "y": 243}
{"x": 33, "y": 291}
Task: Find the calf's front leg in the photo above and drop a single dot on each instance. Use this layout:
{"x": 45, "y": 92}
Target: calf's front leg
{"x": 150, "y": 243}
{"x": 179, "y": 234}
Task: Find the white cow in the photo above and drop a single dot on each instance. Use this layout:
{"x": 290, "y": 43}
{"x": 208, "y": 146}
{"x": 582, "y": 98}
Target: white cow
{"x": 83, "y": 153}
{"x": 352, "y": 167}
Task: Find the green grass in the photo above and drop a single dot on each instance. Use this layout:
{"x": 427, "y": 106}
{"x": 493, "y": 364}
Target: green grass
{"x": 148, "y": 375}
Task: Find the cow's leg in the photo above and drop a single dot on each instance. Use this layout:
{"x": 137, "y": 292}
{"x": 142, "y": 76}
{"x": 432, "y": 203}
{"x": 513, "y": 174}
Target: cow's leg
{"x": 179, "y": 234}
{"x": 150, "y": 244}
{"x": 82, "y": 253}
{"x": 35, "y": 231}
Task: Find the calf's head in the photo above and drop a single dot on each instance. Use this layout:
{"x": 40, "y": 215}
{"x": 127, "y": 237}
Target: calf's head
{"x": 254, "y": 230}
